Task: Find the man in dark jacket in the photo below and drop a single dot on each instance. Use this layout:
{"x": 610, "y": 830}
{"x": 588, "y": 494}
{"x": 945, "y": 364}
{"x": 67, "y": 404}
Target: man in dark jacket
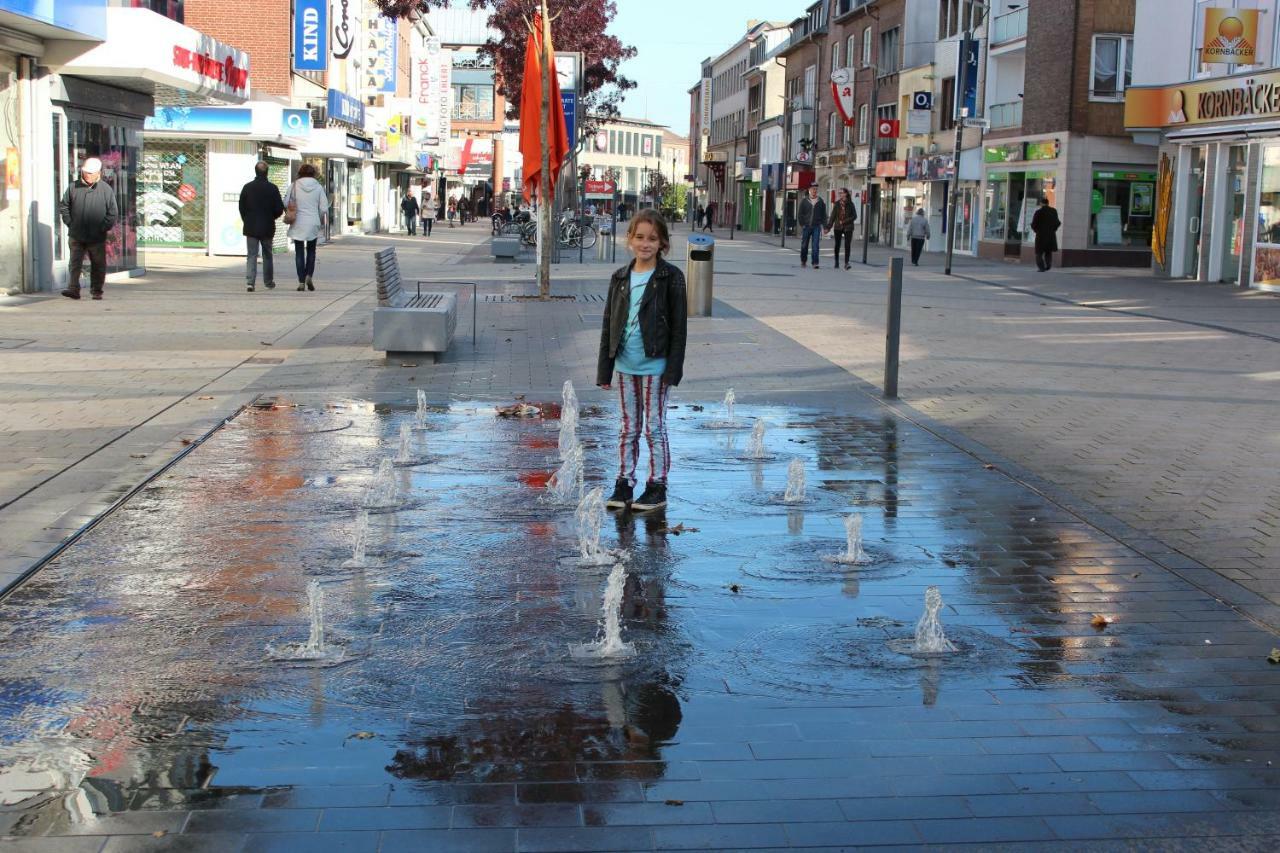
{"x": 409, "y": 207}
{"x": 260, "y": 207}
{"x": 1045, "y": 223}
{"x": 813, "y": 218}
{"x": 88, "y": 209}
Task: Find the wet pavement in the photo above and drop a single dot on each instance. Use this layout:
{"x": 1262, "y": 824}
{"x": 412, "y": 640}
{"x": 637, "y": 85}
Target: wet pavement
{"x": 769, "y": 702}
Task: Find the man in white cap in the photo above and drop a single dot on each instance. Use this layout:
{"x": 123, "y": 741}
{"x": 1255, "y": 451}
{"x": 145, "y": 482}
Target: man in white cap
{"x": 89, "y": 211}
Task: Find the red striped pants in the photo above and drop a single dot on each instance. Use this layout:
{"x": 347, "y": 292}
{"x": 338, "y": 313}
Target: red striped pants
{"x": 644, "y": 409}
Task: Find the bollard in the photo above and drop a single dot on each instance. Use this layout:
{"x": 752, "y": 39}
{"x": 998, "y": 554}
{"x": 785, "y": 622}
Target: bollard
{"x": 893, "y": 330}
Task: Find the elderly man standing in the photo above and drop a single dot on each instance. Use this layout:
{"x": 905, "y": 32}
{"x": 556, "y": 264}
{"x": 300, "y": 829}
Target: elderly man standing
{"x": 88, "y": 209}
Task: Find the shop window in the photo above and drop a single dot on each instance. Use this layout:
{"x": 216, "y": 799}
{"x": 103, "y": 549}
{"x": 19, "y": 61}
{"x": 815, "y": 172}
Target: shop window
{"x": 1122, "y": 208}
{"x": 996, "y": 206}
{"x": 174, "y": 194}
{"x": 1112, "y": 67}
{"x": 1266, "y": 264}
{"x": 116, "y": 145}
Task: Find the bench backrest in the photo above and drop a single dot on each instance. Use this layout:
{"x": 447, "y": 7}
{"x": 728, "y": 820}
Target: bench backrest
{"x": 387, "y": 269}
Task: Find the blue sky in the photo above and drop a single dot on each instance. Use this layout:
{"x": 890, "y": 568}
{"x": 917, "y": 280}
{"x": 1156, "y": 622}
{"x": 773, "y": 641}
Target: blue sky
{"x": 673, "y": 37}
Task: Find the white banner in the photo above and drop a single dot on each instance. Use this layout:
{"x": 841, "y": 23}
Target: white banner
{"x": 842, "y": 92}
{"x": 432, "y": 87}
{"x": 919, "y": 121}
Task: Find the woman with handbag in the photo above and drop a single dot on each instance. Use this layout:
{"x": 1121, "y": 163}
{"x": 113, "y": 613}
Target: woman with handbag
{"x": 307, "y": 212}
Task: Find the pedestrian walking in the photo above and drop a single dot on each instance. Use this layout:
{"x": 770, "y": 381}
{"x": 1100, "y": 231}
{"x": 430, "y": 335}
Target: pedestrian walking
{"x": 1045, "y": 223}
{"x": 409, "y": 207}
{"x": 88, "y": 209}
{"x": 918, "y": 233}
{"x": 260, "y": 207}
{"x": 642, "y": 341}
{"x": 428, "y": 214}
{"x": 307, "y": 212}
{"x": 700, "y": 217}
{"x": 711, "y": 217}
{"x": 464, "y": 210}
{"x": 453, "y": 210}
{"x": 813, "y": 219}
{"x": 843, "y": 218}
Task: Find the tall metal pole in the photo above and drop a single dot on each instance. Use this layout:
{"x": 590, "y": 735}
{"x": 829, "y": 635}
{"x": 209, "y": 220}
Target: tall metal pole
{"x": 874, "y": 129}
{"x": 786, "y": 160}
{"x": 734, "y": 180}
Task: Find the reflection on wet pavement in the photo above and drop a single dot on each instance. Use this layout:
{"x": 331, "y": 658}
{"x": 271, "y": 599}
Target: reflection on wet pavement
{"x": 138, "y": 696}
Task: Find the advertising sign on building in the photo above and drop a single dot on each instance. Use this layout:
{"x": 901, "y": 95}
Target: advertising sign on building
{"x": 842, "y": 93}
{"x": 432, "y": 91}
{"x": 967, "y": 79}
{"x": 380, "y": 57}
{"x": 171, "y": 183}
{"x": 310, "y": 35}
{"x": 344, "y": 21}
{"x": 599, "y": 189}
{"x": 1242, "y": 96}
{"x": 1230, "y": 36}
{"x": 706, "y": 104}
{"x": 345, "y": 109}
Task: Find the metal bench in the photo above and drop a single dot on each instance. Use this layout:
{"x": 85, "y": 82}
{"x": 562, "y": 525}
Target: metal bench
{"x": 404, "y": 322}
{"x": 506, "y": 246}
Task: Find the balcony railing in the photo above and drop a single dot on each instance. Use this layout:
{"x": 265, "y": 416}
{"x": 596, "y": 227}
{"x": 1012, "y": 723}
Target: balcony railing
{"x": 1005, "y": 115}
{"x": 1009, "y": 26}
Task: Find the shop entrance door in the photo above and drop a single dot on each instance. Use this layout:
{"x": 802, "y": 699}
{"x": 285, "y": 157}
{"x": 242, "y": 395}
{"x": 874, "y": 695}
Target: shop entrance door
{"x": 1014, "y": 213}
{"x": 1193, "y": 207}
{"x": 1233, "y": 234}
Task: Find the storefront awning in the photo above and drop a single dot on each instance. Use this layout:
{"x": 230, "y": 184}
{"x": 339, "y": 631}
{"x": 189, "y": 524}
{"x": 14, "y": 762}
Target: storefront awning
{"x": 150, "y": 53}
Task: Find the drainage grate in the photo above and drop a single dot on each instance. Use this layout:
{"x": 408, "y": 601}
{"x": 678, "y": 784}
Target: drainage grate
{"x": 777, "y": 274}
{"x": 597, "y": 298}
{"x": 591, "y": 297}
{"x": 495, "y": 297}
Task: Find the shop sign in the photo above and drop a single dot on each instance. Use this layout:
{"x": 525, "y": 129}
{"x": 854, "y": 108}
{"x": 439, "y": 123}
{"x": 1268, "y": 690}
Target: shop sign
{"x": 359, "y": 143}
{"x": 1002, "y": 153}
{"x": 295, "y": 122}
{"x": 599, "y": 189}
{"x": 1124, "y": 176}
{"x": 706, "y": 105}
{"x": 345, "y": 109}
{"x": 216, "y": 69}
{"x": 380, "y": 58}
{"x": 1045, "y": 150}
{"x": 432, "y": 91}
{"x": 345, "y": 27}
{"x": 200, "y": 120}
{"x": 919, "y": 122}
{"x": 891, "y": 169}
{"x": 1223, "y": 98}
{"x": 77, "y": 16}
{"x": 938, "y": 167}
{"x": 1230, "y": 36}
{"x": 861, "y": 158}
{"x": 310, "y": 35}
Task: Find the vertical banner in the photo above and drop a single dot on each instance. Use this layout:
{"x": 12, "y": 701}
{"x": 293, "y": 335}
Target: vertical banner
{"x": 380, "y": 56}
{"x": 311, "y": 35}
{"x": 432, "y": 93}
{"x": 967, "y": 79}
{"x": 842, "y": 94}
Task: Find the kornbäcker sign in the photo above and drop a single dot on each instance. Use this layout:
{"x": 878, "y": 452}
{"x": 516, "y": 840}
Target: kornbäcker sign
{"x": 1242, "y": 96}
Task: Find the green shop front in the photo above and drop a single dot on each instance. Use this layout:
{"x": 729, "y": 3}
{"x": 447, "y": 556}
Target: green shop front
{"x": 1103, "y": 192}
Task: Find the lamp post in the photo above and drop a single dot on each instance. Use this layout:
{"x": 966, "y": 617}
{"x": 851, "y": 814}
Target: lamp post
{"x": 962, "y": 81}
{"x": 874, "y": 65}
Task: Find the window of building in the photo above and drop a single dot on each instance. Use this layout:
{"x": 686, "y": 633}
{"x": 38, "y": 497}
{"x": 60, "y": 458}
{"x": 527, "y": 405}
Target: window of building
{"x": 866, "y": 46}
{"x": 947, "y": 105}
{"x": 613, "y": 141}
{"x": 810, "y": 86}
{"x": 1112, "y": 67}
{"x": 657, "y": 145}
{"x": 832, "y": 121}
{"x": 1122, "y": 207}
{"x": 890, "y": 51}
{"x": 863, "y": 117}
{"x": 850, "y": 58}
{"x": 472, "y": 102}
{"x": 835, "y": 55}
{"x": 1266, "y": 254}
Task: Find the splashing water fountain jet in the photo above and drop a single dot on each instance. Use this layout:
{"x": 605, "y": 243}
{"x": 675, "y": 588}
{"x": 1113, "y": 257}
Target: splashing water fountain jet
{"x": 755, "y": 448}
{"x": 565, "y": 484}
{"x": 405, "y": 454}
{"x": 590, "y": 518}
{"x": 795, "y": 482}
{"x": 316, "y": 649}
{"x": 930, "y": 639}
{"x": 729, "y": 399}
{"x": 383, "y": 493}
{"x": 568, "y": 419}
{"x": 609, "y": 643}
{"x": 853, "y": 551}
{"x": 359, "y": 541}
{"x": 420, "y": 416}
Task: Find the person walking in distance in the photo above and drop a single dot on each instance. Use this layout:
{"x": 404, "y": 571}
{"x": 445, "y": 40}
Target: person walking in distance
{"x": 843, "y": 217}
{"x": 307, "y": 211}
{"x": 88, "y": 209}
{"x": 918, "y": 234}
{"x": 812, "y": 218}
{"x": 260, "y": 207}
{"x": 642, "y": 345}
{"x": 1045, "y": 223}
{"x": 409, "y": 207}
{"x": 428, "y": 214}
{"x": 453, "y": 210}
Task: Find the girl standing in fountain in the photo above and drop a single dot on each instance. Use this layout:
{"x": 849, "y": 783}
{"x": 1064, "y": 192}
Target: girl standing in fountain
{"x": 642, "y": 341}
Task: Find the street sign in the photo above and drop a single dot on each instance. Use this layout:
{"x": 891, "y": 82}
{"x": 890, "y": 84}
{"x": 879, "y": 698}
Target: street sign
{"x": 570, "y": 102}
{"x": 599, "y": 189}
{"x": 977, "y": 121}
{"x": 842, "y": 94}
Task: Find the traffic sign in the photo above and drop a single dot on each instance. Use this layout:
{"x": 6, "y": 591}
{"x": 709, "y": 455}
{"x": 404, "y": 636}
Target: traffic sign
{"x": 977, "y": 121}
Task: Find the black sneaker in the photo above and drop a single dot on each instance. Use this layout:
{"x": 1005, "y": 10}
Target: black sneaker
{"x": 249, "y": 288}
{"x": 621, "y": 496}
{"x": 654, "y": 497}
{"x": 72, "y": 293}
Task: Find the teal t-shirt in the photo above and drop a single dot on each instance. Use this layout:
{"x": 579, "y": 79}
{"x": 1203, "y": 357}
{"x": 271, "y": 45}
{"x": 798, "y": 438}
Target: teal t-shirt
{"x": 631, "y": 358}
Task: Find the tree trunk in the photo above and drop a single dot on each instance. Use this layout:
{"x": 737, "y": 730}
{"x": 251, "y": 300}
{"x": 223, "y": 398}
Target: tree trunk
{"x": 544, "y": 177}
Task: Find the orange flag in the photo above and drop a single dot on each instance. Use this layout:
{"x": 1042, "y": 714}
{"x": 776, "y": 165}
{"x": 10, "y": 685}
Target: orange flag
{"x": 530, "y": 123}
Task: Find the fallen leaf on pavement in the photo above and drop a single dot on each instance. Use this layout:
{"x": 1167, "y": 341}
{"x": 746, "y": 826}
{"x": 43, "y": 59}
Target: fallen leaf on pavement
{"x": 678, "y": 529}
{"x": 160, "y": 833}
{"x": 673, "y": 802}
{"x": 266, "y": 343}
{"x": 206, "y": 397}
{"x": 733, "y": 587}
{"x": 361, "y": 736}
{"x": 519, "y": 410}
{"x": 1274, "y": 657}
{"x": 187, "y": 441}
{"x": 988, "y": 467}
{"x": 137, "y": 456}
{"x": 408, "y": 364}
{"x": 1099, "y": 622}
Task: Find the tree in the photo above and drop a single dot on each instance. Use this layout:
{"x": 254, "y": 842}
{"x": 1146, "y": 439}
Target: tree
{"x": 582, "y": 29}
{"x": 674, "y": 197}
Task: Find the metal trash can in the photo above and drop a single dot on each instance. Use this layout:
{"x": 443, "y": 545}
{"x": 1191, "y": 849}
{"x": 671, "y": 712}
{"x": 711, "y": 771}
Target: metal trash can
{"x": 699, "y": 273}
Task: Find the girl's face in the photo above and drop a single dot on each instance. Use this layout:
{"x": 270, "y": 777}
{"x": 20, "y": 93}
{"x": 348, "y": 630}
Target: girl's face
{"x": 645, "y": 242}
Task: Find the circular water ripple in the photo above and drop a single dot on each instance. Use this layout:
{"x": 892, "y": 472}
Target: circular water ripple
{"x": 854, "y": 660}
{"x": 813, "y": 560}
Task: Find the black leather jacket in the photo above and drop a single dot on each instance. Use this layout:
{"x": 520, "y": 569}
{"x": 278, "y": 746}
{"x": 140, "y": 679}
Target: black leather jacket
{"x": 664, "y": 314}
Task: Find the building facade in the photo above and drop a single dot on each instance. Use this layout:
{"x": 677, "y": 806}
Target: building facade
{"x": 1202, "y": 89}
{"x": 631, "y": 149}
{"x": 1057, "y": 131}
{"x": 84, "y": 76}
